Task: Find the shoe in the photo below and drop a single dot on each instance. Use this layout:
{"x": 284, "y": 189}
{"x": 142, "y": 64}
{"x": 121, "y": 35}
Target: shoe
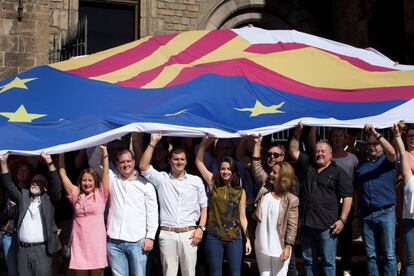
{"x": 347, "y": 273}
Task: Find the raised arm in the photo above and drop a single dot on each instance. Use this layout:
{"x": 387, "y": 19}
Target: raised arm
{"x": 144, "y": 163}
{"x": 6, "y": 180}
{"x": 405, "y": 167}
{"x": 243, "y": 222}
{"x": 311, "y": 140}
{"x": 105, "y": 169}
{"x": 258, "y": 172}
{"x": 67, "y": 184}
{"x": 199, "y": 161}
{"x": 3, "y": 163}
{"x": 294, "y": 142}
{"x": 388, "y": 148}
{"x": 241, "y": 148}
{"x": 55, "y": 191}
{"x": 137, "y": 145}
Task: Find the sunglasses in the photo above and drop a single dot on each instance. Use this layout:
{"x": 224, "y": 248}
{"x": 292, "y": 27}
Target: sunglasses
{"x": 274, "y": 155}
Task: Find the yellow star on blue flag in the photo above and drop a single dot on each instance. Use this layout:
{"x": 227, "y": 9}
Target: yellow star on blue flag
{"x": 16, "y": 83}
{"x": 260, "y": 109}
{"x": 21, "y": 115}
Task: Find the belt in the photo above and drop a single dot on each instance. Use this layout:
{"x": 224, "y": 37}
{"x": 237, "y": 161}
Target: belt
{"x": 30, "y": 244}
{"x": 178, "y": 229}
{"x": 382, "y": 208}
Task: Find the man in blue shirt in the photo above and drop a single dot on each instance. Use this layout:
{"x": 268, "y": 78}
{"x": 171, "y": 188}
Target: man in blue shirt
{"x": 375, "y": 177}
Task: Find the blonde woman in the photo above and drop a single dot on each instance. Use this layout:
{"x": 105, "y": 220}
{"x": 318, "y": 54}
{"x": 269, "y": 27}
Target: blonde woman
{"x": 277, "y": 216}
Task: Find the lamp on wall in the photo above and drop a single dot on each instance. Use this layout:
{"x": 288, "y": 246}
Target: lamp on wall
{"x": 20, "y": 11}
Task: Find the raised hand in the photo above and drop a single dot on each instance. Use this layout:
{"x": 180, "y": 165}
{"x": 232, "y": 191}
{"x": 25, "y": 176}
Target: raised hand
{"x": 257, "y": 139}
{"x": 155, "y": 138}
{"x": 298, "y": 130}
{"x": 4, "y": 157}
{"x": 46, "y": 157}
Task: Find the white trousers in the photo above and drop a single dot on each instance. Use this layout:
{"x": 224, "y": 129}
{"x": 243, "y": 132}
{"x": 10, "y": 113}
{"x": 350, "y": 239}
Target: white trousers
{"x": 176, "y": 249}
{"x": 271, "y": 266}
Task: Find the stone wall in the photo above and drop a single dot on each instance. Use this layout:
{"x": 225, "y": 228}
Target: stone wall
{"x": 169, "y": 16}
{"x": 26, "y": 43}
{"x": 63, "y": 19}
{"x": 23, "y": 44}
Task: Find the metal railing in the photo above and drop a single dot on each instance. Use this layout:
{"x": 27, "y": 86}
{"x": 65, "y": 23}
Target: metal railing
{"x": 75, "y": 44}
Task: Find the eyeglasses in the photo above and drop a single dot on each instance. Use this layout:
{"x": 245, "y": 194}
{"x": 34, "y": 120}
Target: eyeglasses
{"x": 274, "y": 155}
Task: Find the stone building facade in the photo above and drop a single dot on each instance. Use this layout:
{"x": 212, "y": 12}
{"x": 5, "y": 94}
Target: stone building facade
{"x": 30, "y": 29}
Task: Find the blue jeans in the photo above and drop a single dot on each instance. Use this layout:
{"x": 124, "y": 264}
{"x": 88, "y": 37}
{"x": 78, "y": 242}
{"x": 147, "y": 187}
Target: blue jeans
{"x": 9, "y": 244}
{"x": 126, "y": 258}
{"x": 378, "y": 233}
{"x": 316, "y": 241}
{"x": 408, "y": 232}
{"x": 215, "y": 249}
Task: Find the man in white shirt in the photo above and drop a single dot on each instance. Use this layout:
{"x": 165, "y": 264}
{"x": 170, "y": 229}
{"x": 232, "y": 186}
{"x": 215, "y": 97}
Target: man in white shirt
{"x": 132, "y": 220}
{"x": 183, "y": 202}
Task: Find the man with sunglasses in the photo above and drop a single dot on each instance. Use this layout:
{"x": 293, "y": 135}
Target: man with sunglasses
{"x": 275, "y": 153}
{"x": 375, "y": 177}
{"x": 36, "y": 227}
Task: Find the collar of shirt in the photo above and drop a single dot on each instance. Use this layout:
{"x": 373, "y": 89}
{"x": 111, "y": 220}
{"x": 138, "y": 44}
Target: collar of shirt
{"x": 123, "y": 178}
{"x": 179, "y": 178}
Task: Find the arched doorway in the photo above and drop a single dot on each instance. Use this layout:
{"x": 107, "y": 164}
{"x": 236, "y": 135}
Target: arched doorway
{"x": 260, "y": 13}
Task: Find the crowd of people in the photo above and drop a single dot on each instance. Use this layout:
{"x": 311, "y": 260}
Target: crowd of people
{"x": 147, "y": 204}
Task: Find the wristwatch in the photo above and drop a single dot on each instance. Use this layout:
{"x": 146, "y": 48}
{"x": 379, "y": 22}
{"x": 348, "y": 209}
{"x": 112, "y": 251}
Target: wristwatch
{"x": 203, "y": 228}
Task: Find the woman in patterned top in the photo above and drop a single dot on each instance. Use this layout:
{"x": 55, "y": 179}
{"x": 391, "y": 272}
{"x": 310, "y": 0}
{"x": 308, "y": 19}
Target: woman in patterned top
{"x": 227, "y": 214}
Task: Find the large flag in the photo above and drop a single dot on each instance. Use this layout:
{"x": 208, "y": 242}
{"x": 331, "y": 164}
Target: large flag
{"x": 227, "y": 83}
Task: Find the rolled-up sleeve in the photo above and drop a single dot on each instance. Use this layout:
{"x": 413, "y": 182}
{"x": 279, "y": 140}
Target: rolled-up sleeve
{"x": 153, "y": 176}
{"x": 202, "y": 196}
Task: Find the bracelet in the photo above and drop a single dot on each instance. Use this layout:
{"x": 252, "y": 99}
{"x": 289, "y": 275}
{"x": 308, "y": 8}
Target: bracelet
{"x": 105, "y": 156}
{"x": 151, "y": 146}
{"x": 256, "y": 158}
{"x": 343, "y": 220}
{"x": 50, "y": 164}
{"x": 379, "y": 136}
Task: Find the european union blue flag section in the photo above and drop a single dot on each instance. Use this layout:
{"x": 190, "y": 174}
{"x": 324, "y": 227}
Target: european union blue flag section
{"x": 227, "y": 83}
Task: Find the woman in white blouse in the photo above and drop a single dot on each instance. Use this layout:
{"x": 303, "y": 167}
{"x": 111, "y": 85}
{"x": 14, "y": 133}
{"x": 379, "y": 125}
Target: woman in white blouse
{"x": 277, "y": 216}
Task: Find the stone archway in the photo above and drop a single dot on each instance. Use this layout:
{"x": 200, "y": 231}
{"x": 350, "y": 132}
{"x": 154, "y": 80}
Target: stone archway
{"x": 274, "y": 14}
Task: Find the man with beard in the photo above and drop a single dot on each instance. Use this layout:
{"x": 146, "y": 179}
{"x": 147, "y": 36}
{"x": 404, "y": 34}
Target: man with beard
{"x": 36, "y": 228}
{"x": 324, "y": 183}
{"x": 275, "y": 154}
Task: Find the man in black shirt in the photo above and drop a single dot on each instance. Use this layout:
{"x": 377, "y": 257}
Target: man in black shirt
{"x": 323, "y": 186}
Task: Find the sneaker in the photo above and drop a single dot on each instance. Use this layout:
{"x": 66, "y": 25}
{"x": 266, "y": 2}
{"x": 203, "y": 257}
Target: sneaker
{"x": 347, "y": 273}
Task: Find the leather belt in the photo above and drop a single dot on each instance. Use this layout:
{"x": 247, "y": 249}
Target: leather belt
{"x": 30, "y": 244}
{"x": 178, "y": 229}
